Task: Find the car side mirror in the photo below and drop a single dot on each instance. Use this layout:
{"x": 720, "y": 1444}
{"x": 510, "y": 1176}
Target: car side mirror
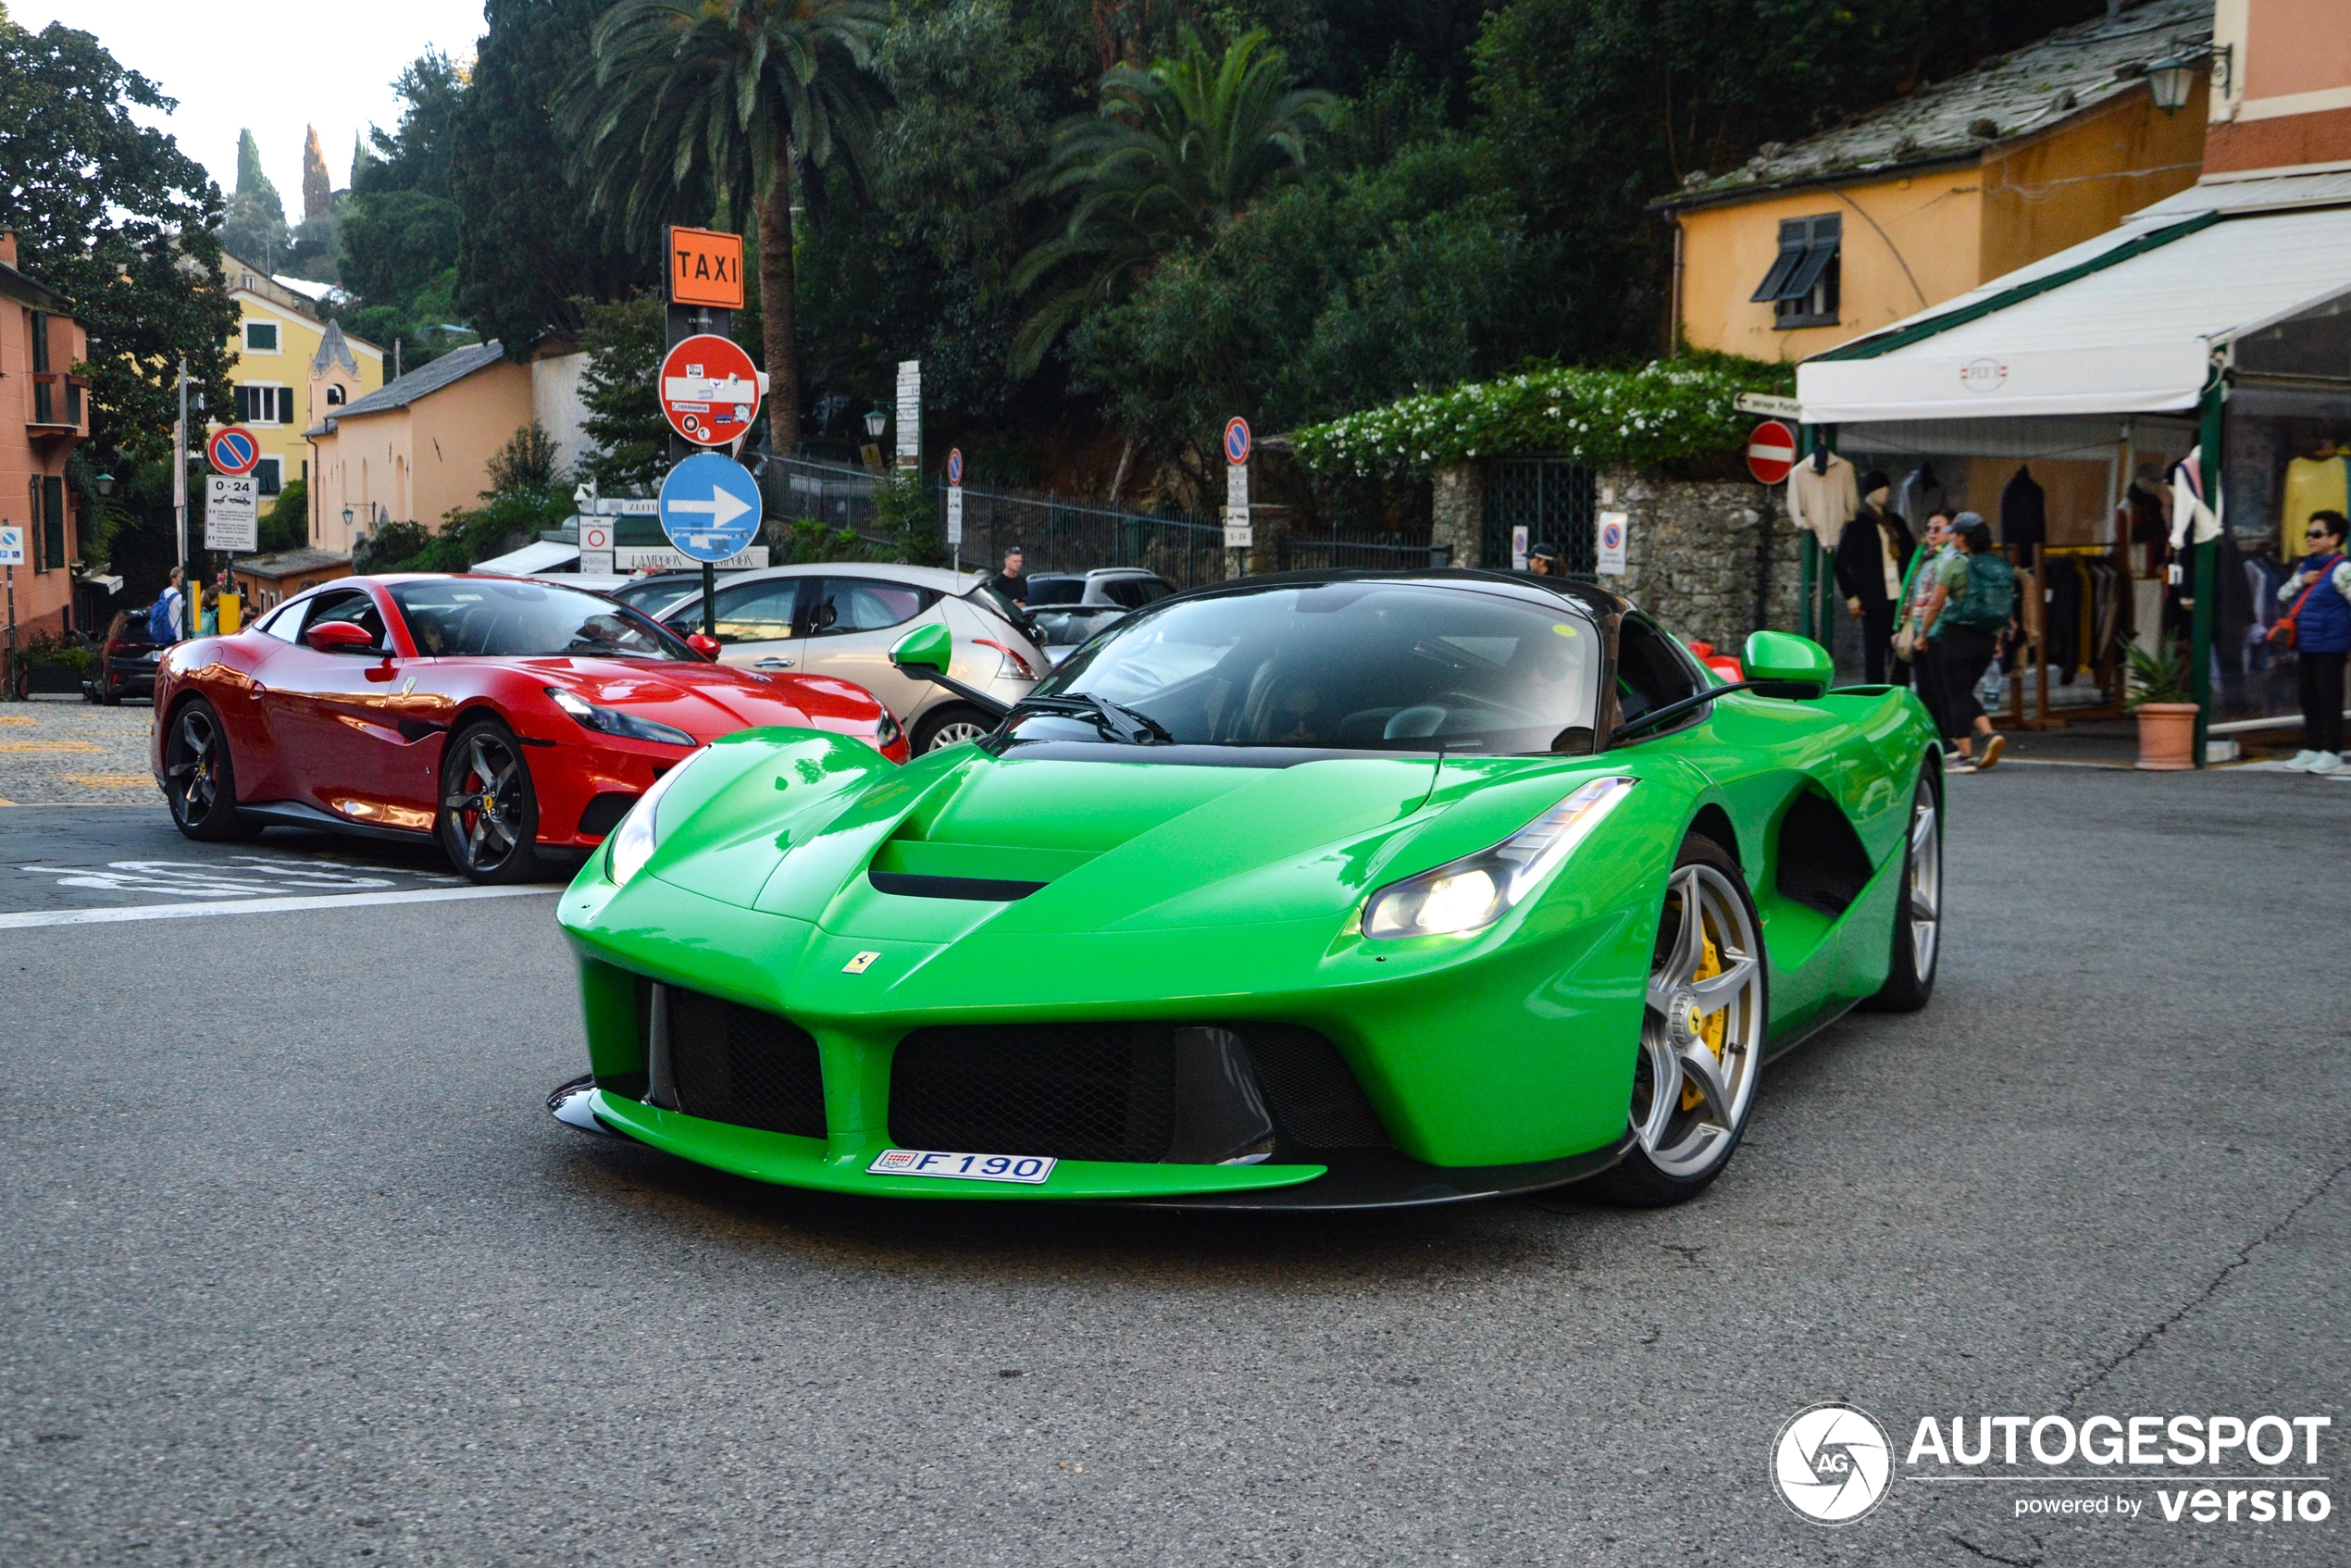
{"x": 705, "y": 645}
{"x": 339, "y": 636}
{"x": 925, "y": 651}
{"x": 1782, "y": 658}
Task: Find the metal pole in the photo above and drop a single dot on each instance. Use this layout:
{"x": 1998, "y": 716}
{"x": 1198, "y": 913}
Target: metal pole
{"x": 2203, "y": 569}
{"x": 709, "y": 599}
{"x": 180, "y": 487}
{"x": 12, "y": 624}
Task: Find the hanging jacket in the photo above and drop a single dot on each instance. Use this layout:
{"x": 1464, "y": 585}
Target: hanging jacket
{"x": 2024, "y": 515}
{"x": 1861, "y": 551}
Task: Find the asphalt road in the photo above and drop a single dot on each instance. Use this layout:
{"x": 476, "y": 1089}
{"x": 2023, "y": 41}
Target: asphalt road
{"x": 297, "y": 1270}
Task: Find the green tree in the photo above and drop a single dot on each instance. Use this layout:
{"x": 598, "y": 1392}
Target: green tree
{"x": 286, "y": 526}
{"x": 524, "y": 258}
{"x": 398, "y": 235}
{"x": 256, "y": 228}
{"x": 624, "y": 344}
{"x": 736, "y": 101}
{"x": 525, "y": 462}
{"x": 112, "y": 215}
{"x": 1173, "y": 155}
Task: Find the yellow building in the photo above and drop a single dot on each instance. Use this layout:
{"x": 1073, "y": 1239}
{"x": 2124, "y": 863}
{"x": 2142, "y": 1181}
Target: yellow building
{"x": 1814, "y": 244}
{"x": 290, "y": 369}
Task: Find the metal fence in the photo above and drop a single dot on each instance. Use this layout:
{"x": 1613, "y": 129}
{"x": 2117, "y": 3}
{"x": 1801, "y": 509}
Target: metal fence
{"x": 1551, "y": 498}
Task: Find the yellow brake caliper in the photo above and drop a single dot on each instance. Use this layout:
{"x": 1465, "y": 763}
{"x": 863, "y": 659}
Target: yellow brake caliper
{"x": 1715, "y": 1026}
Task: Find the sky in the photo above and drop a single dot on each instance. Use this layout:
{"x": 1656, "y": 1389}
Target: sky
{"x": 275, "y": 66}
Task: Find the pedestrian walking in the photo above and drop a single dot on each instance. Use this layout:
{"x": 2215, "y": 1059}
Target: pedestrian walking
{"x": 166, "y": 616}
{"x": 2318, "y": 627}
{"x": 1975, "y": 594}
{"x": 1914, "y": 652}
{"x": 1872, "y": 554}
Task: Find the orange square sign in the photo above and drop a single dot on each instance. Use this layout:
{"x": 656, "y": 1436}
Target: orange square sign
{"x": 705, "y": 267}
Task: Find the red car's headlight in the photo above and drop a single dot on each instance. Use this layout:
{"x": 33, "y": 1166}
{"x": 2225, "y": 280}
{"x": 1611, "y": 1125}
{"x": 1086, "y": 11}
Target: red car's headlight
{"x": 613, "y": 721}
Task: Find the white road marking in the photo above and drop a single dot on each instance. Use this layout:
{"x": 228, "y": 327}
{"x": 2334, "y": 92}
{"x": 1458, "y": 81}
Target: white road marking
{"x": 256, "y": 906}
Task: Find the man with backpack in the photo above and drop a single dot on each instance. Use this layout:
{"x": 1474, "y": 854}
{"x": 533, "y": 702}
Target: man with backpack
{"x": 1974, "y": 595}
{"x": 164, "y": 618}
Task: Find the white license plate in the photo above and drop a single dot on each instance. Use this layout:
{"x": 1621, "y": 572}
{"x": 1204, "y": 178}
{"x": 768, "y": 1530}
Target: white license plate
{"x": 1028, "y": 1169}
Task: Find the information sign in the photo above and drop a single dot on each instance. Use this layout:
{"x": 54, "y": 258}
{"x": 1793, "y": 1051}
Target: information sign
{"x": 709, "y": 390}
{"x": 232, "y": 512}
{"x": 710, "y": 507}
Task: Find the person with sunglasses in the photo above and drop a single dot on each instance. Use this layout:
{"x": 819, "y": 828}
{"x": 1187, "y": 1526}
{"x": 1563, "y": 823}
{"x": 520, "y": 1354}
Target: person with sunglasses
{"x": 2319, "y": 594}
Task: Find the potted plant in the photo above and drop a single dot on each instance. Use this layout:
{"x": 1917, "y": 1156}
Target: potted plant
{"x": 49, "y": 663}
{"x": 2166, "y": 718}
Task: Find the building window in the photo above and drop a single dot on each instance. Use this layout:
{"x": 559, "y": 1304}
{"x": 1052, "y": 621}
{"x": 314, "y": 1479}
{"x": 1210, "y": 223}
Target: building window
{"x": 258, "y": 404}
{"x": 261, "y": 337}
{"x": 40, "y": 340}
{"x": 334, "y": 396}
{"x": 1802, "y": 285}
{"x": 269, "y": 475}
{"x": 49, "y": 509}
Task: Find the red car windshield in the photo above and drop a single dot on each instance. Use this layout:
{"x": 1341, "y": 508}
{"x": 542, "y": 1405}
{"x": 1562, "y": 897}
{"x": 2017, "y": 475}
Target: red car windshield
{"x": 488, "y": 618}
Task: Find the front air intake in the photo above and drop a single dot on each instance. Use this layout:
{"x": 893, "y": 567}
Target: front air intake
{"x": 726, "y": 1063}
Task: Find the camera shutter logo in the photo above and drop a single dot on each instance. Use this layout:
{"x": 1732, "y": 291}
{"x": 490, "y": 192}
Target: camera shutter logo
{"x": 1831, "y": 1463}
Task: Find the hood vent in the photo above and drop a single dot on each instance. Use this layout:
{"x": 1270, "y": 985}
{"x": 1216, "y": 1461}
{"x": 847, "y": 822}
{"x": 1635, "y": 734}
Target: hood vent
{"x": 979, "y": 889}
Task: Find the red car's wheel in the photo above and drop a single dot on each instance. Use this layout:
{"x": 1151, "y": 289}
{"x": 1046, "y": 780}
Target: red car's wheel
{"x": 489, "y": 812}
{"x": 199, "y": 779}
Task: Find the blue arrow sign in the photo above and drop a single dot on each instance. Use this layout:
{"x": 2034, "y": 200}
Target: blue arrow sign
{"x": 710, "y": 507}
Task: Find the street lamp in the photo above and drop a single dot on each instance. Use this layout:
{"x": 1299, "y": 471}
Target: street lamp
{"x": 2171, "y": 80}
{"x": 346, "y": 521}
{"x": 875, "y": 422}
{"x": 106, "y": 484}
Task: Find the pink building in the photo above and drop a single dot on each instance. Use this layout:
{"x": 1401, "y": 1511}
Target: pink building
{"x": 44, "y": 412}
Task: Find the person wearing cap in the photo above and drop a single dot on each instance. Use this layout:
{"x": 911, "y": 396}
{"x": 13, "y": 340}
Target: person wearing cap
{"x": 1870, "y": 556}
{"x": 1543, "y": 560}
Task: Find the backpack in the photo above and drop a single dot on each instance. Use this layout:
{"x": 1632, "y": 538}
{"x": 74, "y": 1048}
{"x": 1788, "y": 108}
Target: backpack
{"x": 1989, "y": 598}
{"x": 159, "y": 620}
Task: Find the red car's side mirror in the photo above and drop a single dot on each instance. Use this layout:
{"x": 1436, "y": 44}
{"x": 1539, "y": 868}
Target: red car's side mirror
{"x": 339, "y": 636}
{"x": 705, "y": 645}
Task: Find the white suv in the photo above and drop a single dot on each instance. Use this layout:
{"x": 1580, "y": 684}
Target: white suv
{"x": 841, "y": 618}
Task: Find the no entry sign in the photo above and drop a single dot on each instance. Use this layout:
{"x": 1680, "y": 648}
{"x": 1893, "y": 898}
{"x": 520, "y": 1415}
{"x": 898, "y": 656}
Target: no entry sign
{"x": 709, "y": 390}
{"x": 1771, "y": 451}
{"x": 234, "y": 451}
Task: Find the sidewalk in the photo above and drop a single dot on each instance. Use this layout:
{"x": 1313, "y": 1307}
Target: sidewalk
{"x": 62, "y": 750}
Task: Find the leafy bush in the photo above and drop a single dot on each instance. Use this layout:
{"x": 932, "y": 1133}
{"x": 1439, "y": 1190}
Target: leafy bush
{"x": 1662, "y": 412}
{"x": 51, "y": 648}
{"x": 2156, "y": 677}
{"x": 469, "y": 534}
{"x": 286, "y": 526}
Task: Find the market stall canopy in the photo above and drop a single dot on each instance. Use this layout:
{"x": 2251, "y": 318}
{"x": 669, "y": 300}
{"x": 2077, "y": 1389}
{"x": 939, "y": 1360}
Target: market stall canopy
{"x": 2127, "y": 323}
{"x": 539, "y": 556}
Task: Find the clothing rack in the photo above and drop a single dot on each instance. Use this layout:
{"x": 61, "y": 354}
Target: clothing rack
{"x": 2032, "y": 563}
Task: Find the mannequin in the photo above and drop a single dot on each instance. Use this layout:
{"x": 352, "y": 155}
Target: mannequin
{"x": 1822, "y": 496}
{"x": 1872, "y": 551}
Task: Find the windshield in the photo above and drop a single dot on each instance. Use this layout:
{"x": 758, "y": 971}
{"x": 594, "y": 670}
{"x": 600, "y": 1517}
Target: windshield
{"x": 1360, "y": 666}
{"x": 488, "y": 617}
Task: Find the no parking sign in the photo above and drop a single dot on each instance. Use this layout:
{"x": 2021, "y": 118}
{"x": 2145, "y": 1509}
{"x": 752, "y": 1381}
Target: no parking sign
{"x": 1609, "y": 543}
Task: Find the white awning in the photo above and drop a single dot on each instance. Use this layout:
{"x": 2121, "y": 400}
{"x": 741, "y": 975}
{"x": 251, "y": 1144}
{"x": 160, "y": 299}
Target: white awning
{"x": 2135, "y": 336}
{"x": 539, "y": 556}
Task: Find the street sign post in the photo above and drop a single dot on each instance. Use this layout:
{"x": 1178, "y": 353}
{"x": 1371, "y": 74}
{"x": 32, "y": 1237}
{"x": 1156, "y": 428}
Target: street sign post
{"x": 1238, "y": 533}
{"x": 1609, "y": 545}
{"x": 710, "y": 509}
{"x": 705, "y": 267}
{"x": 233, "y": 450}
{"x": 11, "y": 547}
{"x": 1771, "y": 451}
{"x": 1518, "y": 547}
{"x": 910, "y": 413}
{"x": 710, "y": 390}
{"x": 11, "y": 558}
{"x": 595, "y": 547}
{"x": 1765, "y": 403}
{"x": 231, "y": 512}
{"x": 955, "y": 504}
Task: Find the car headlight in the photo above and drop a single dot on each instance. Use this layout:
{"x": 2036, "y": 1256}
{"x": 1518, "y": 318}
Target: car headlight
{"x": 632, "y": 842}
{"x": 888, "y": 733}
{"x": 1472, "y": 892}
{"x": 611, "y": 721}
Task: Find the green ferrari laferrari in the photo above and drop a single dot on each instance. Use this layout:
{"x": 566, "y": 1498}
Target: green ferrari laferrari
{"x": 1320, "y": 890}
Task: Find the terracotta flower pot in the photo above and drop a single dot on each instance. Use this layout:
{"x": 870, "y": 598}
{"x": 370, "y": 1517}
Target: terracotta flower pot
{"x": 2167, "y": 736}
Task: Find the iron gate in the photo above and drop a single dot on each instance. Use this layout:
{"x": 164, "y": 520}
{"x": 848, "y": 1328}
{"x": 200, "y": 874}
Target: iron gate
{"x": 1551, "y": 497}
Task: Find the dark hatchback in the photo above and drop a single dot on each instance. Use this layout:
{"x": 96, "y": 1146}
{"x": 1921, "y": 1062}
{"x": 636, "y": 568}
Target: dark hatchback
{"x": 126, "y": 663}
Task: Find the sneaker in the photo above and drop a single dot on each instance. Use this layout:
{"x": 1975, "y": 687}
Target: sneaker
{"x": 2328, "y": 762}
{"x": 1994, "y": 745}
{"x": 1963, "y": 765}
{"x": 2302, "y": 760}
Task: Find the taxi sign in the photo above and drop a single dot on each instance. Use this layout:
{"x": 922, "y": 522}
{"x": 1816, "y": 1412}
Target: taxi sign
{"x": 710, "y": 507}
{"x": 709, "y": 390}
{"x": 705, "y": 267}
{"x": 234, "y": 451}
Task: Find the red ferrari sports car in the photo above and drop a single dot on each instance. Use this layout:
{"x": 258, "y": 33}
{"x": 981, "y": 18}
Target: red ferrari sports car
{"x": 516, "y": 720}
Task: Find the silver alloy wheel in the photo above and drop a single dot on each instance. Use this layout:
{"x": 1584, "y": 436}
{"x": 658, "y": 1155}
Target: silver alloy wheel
{"x": 1688, "y": 1013}
{"x": 1926, "y": 882}
{"x": 956, "y": 733}
{"x": 195, "y": 744}
{"x": 487, "y": 803}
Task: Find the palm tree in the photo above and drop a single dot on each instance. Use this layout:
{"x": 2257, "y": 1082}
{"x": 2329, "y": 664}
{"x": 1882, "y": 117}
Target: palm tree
{"x": 689, "y": 104}
{"x": 1173, "y": 155}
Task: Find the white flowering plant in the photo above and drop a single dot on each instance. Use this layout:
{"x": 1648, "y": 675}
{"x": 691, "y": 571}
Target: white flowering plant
{"x": 1664, "y": 411}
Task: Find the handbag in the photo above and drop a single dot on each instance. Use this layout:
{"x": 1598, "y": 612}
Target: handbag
{"x": 2283, "y": 635}
{"x": 1906, "y": 642}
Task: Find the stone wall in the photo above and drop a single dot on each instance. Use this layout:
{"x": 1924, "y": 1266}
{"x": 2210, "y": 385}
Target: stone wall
{"x": 1457, "y": 512}
{"x": 1695, "y": 551}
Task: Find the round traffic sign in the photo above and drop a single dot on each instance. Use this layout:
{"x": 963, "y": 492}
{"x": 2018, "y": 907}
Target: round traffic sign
{"x": 709, "y": 390}
{"x": 234, "y": 451}
{"x": 955, "y": 464}
{"x": 1237, "y": 442}
{"x": 710, "y": 507}
{"x": 1771, "y": 451}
